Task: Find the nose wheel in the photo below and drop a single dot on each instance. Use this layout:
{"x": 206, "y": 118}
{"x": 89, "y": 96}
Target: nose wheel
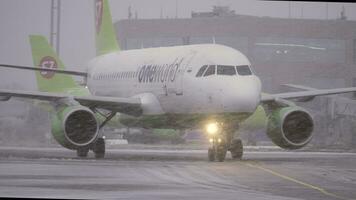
{"x": 218, "y": 150}
{"x": 211, "y": 154}
{"x": 223, "y": 141}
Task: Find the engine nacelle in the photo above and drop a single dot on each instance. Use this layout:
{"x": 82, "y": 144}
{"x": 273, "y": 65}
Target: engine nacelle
{"x": 290, "y": 127}
{"x": 74, "y": 126}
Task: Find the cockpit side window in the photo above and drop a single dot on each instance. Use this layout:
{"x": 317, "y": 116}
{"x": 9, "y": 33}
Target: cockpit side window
{"x": 243, "y": 70}
{"x": 226, "y": 70}
{"x": 210, "y": 71}
{"x": 201, "y": 71}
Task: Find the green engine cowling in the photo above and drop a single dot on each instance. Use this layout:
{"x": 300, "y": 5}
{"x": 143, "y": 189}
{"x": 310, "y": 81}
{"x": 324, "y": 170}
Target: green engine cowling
{"x": 74, "y": 126}
{"x": 290, "y": 127}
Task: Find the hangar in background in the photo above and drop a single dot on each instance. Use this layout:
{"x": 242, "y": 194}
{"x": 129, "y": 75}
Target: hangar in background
{"x": 318, "y": 53}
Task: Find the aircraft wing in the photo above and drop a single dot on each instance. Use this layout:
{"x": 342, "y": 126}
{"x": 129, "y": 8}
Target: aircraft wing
{"x": 268, "y": 98}
{"x": 71, "y": 72}
{"x": 131, "y": 106}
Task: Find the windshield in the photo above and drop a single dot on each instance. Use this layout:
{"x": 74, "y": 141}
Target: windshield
{"x": 226, "y": 70}
{"x": 201, "y": 71}
{"x": 210, "y": 71}
{"x": 243, "y": 70}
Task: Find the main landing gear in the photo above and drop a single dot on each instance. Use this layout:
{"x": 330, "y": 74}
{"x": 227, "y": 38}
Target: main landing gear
{"x": 236, "y": 149}
{"x": 222, "y": 141}
{"x": 82, "y": 152}
{"x": 98, "y": 146}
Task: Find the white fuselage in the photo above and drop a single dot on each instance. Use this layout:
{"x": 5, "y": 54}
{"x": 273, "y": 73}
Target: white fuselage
{"x": 165, "y": 80}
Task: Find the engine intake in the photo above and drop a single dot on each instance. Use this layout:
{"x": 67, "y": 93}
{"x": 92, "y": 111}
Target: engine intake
{"x": 74, "y": 127}
{"x": 80, "y": 127}
{"x": 290, "y": 127}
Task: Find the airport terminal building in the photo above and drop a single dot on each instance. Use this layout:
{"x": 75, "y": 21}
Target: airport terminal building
{"x": 318, "y": 53}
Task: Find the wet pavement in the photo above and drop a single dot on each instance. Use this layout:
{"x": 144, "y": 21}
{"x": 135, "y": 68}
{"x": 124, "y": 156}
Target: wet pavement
{"x": 176, "y": 174}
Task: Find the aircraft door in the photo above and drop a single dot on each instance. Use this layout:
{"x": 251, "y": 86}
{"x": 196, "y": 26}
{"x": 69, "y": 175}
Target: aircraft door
{"x": 179, "y": 79}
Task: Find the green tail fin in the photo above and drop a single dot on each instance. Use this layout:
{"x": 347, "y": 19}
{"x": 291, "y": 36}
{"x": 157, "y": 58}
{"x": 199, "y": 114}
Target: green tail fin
{"x": 105, "y": 33}
{"x": 44, "y": 56}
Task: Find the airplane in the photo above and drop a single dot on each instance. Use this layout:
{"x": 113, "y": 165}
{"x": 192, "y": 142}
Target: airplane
{"x": 207, "y": 86}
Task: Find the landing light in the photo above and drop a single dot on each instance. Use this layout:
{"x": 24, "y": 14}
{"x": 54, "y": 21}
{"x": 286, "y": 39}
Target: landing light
{"x": 212, "y": 128}
{"x": 211, "y": 140}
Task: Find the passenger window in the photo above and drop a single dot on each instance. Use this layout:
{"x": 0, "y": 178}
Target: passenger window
{"x": 226, "y": 70}
{"x": 210, "y": 71}
{"x": 201, "y": 71}
{"x": 243, "y": 70}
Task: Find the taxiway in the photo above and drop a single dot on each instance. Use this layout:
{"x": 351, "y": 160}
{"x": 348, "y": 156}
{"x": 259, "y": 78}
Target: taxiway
{"x": 176, "y": 174}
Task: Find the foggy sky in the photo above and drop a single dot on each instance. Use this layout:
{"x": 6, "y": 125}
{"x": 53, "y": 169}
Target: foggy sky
{"x": 20, "y": 18}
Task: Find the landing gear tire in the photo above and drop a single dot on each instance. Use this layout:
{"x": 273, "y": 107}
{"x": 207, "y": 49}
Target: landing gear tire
{"x": 82, "y": 152}
{"x": 221, "y": 153}
{"x": 211, "y": 154}
{"x": 236, "y": 149}
{"x": 217, "y": 151}
{"x": 99, "y": 148}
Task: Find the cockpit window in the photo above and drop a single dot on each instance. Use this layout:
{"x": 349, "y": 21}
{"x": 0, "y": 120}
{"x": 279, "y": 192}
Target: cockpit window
{"x": 201, "y": 71}
{"x": 226, "y": 70}
{"x": 243, "y": 70}
{"x": 210, "y": 71}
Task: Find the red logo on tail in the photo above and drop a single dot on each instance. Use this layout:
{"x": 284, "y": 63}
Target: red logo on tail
{"x": 48, "y": 62}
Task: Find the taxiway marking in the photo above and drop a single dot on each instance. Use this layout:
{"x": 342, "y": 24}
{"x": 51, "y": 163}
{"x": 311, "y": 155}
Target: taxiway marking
{"x": 322, "y": 190}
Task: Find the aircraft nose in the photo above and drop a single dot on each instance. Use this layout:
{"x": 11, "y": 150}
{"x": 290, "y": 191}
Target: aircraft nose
{"x": 242, "y": 95}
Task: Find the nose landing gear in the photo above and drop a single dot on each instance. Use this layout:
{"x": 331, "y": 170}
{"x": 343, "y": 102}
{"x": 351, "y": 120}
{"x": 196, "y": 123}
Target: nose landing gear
{"x": 221, "y": 142}
{"x": 218, "y": 149}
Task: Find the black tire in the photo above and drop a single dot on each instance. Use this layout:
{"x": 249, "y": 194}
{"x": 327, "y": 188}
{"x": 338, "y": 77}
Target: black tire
{"x": 99, "y": 148}
{"x": 82, "y": 152}
{"x": 221, "y": 153}
{"x": 236, "y": 149}
{"x": 211, "y": 154}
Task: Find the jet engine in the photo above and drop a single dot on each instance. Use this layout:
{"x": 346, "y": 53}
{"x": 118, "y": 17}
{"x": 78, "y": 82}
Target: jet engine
{"x": 290, "y": 127}
{"x": 74, "y": 126}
